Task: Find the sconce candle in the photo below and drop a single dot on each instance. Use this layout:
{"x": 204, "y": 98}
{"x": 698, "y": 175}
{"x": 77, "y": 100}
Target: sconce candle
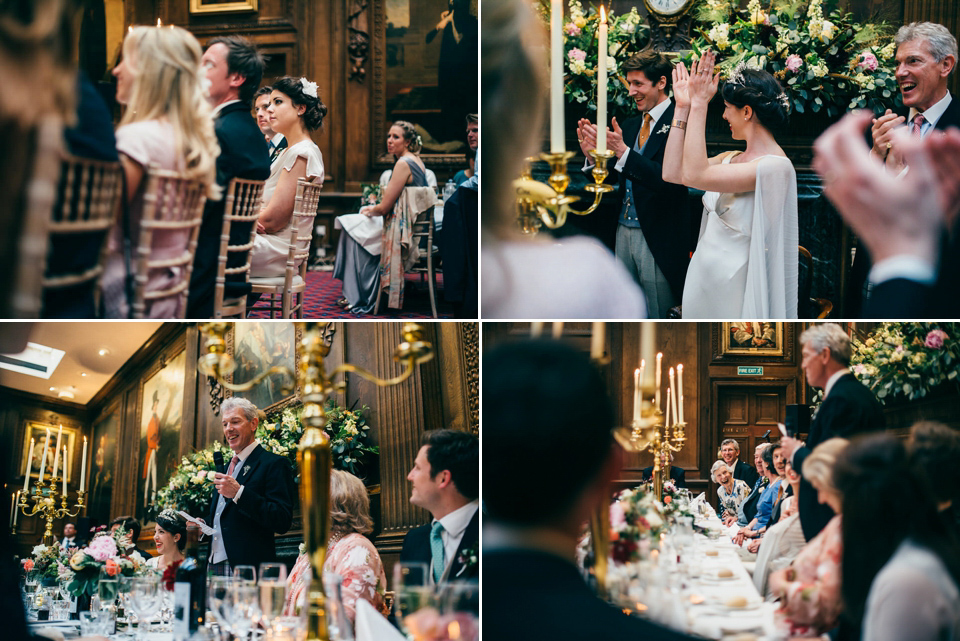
{"x": 56, "y": 453}
{"x": 64, "y": 471}
{"x": 657, "y": 380}
{"x": 602, "y": 85}
{"x": 597, "y": 336}
{"x": 680, "y": 391}
{"x": 83, "y": 463}
{"x": 556, "y": 77}
{"x": 26, "y": 478}
{"x": 43, "y": 461}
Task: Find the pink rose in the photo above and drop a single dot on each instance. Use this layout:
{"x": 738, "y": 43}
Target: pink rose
{"x": 935, "y": 338}
{"x": 571, "y": 29}
{"x": 794, "y": 62}
{"x": 577, "y": 54}
{"x": 868, "y": 61}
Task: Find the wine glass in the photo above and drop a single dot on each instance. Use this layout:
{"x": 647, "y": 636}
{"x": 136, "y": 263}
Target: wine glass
{"x": 460, "y": 609}
{"x": 338, "y": 623}
{"x": 241, "y": 609}
{"x": 273, "y": 590}
{"x": 246, "y": 573}
{"x": 413, "y": 590}
{"x": 145, "y": 599}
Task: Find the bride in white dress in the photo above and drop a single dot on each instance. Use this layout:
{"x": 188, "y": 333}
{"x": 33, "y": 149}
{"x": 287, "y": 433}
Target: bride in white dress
{"x": 745, "y": 263}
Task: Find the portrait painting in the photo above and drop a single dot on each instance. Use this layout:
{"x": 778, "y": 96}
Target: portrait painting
{"x": 38, "y": 432}
{"x": 222, "y": 6}
{"x": 104, "y": 448}
{"x": 752, "y": 338}
{"x": 161, "y": 411}
{"x": 257, "y": 348}
{"x": 431, "y": 67}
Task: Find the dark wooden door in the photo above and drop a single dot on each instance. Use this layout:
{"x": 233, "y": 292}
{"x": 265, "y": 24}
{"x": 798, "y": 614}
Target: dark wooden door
{"x": 750, "y": 415}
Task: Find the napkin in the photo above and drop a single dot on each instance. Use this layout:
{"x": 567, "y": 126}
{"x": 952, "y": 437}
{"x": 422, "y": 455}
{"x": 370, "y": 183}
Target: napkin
{"x": 366, "y": 230}
{"x": 371, "y": 626}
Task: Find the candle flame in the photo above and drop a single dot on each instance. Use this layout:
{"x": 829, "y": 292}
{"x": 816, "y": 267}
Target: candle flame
{"x": 159, "y": 24}
{"x": 603, "y": 14}
{"x": 130, "y": 29}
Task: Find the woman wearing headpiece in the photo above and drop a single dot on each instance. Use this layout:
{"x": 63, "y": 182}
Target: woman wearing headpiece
{"x": 745, "y": 264}
{"x": 170, "y": 537}
{"x": 349, "y": 553}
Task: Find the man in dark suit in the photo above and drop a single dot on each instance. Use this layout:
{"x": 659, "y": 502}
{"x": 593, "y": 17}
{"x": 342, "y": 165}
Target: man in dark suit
{"x": 446, "y": 483}
{"x": 730, "y": 453}
{"x": 132, "y": 526}
{"x": 848, "y": 409}
{"x": 550, "y": 460}
{"x": 254, "y": 499}
{"x": 234, "y": 68}
{"x": 677, "y": 474}
{"x": 912, "y": 284}
{"x": 652, "y": 235}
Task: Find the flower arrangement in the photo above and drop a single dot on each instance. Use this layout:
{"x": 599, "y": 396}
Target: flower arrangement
{"x": 106, "y": 552}
{"x": 170, "y": 575}
{"x": 907, "y": 359}
{"x": 676, "y": 502}
{"x": 191, "y": 488}
{"x": 372, "y": 194}
{"x": 349, "y": 437}
{"x": 45, "y": 562}
{"x": 626, "y": 35}
{"x": 636, "y": 521}
{"x": 828, "y": 63}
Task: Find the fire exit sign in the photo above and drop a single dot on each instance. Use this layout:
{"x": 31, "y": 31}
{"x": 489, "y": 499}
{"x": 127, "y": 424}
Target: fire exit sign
{"x": 749, "y": 370}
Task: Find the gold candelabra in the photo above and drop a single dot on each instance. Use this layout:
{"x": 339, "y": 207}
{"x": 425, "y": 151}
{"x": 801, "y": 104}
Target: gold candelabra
{"x": 650, "y": 432}
{"x": 314, "y": 455}
{"x": 44, "y": 497}
{"x": 547, "y": 204}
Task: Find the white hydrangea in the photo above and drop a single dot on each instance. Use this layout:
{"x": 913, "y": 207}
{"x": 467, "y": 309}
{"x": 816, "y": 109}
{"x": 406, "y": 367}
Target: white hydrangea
{"x": 577, "y": 67}
{"x": 827, "y": 31}
{"x": 720, "y": 35}
{"x": 39, "y": 549}
{"x": 889, "y": 51}
{"x": 820, "y": 69}
{"x": 611, "y": 64}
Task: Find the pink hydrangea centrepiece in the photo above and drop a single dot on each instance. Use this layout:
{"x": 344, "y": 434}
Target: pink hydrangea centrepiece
{"x": 935, "y": 338}
{"x": 617, "y": 517}
{"x": 577, "y": 54}
{"x": 868, "y": 61}
{"x": 571, "y": 29}
{"x": 102, "y": 548}
{"x": 794, "y": 62}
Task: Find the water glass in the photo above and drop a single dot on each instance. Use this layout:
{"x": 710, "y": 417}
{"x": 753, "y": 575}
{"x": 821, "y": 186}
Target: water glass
{"x": 241, "y": 609}
{"x": 145, "y": 599}
{"x": 288, "y": 629}
{"x": 413, "y": 590}
{"x": 338, "y": 623}
{"x": 90, "y": 623}
{"x": 61, "y": 610}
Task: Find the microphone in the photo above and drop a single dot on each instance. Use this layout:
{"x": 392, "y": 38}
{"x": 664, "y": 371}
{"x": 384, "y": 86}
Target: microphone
{"x": 765, "y": 437}
{"x": 218, "y": 461}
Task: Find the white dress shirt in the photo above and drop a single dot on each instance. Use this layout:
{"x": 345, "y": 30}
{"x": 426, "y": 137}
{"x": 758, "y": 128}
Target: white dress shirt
{"x": 454, "y": 525}
{"x": 217, "y": 550}
{"x": 218, "y": 108}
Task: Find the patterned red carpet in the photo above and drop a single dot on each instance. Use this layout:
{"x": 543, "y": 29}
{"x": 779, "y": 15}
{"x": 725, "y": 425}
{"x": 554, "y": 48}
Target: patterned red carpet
{"x": 323, "y": 291}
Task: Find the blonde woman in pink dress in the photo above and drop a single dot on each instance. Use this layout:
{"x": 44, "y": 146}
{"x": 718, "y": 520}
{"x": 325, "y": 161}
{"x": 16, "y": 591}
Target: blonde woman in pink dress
{"x": 349, "y": 553}
{"x": 809, "y": 588}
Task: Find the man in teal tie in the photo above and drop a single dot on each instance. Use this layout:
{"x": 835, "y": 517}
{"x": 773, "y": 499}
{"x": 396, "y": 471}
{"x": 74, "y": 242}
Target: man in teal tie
{"x": 446, "y": 483}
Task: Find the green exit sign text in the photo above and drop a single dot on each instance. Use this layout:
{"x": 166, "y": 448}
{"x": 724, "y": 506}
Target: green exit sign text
{"x": 749, "y": 370}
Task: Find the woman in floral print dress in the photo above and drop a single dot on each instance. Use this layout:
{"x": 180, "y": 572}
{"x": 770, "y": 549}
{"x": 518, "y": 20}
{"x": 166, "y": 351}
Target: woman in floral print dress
{"x": 349, "y": 553}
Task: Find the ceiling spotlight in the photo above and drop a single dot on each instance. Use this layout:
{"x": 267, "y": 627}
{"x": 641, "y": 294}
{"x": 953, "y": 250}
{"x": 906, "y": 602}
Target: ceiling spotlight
{"x": 65, "y": 394}
{"x": 104, "y": 352}
{"x": 53, "y": 389}
{"x": 83, "y": 373}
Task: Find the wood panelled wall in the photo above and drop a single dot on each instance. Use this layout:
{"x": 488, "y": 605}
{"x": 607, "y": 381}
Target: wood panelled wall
{"x": 442, "y": 393}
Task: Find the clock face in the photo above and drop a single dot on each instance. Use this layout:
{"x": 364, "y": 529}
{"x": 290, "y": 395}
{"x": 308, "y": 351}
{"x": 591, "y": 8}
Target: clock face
{"x": 666, "y": 7}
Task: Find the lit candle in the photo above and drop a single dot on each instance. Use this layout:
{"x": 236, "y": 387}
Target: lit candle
{"x": 597, "y": 336}
{"x": 16, "y": 510}
{"x": 680, "y": 390}
{"x": 13, "y": 506}
{"x": 602, "y": 85}
{"x": 637, "y": 395}
{"x": 159, "y": 24}
{"x": 43, "y": 461}
{"x": 26, "y": 478}
{"x": 657, "y": 381}
{"x": 643, "y": 365}
{"x": 536, "y": 328}
{"x": 666, "y": 415}
{"x": 558, "y": 330}
{"x": 64, "y": 471}
{"x": 674, "y": 394}
{"x": 56, "y": 454}
{"x": 556, "y": 77}
{"x": 83, "y": 463}
{"x": 647, "y": 332}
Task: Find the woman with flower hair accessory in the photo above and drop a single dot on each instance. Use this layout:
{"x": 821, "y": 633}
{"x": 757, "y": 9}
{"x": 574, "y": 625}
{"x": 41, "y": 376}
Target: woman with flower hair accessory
{"x": 168, "y": 123}
{"x": 745, "y": 263}
{"x": 295, "y": 110}
{"x": 358, "y": 253}
{"x": 170, "y": 537}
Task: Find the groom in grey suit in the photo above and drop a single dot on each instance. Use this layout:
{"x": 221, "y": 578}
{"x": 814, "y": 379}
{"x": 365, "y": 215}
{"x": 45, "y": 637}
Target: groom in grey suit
{"x": 653, "y": 232}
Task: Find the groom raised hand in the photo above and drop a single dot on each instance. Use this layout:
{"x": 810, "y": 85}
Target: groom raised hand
{"x": 652, "y": 237}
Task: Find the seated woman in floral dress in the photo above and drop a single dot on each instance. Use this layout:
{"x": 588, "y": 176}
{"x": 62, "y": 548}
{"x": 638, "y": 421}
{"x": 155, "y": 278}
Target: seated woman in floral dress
{"x": 349, "y": 553}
